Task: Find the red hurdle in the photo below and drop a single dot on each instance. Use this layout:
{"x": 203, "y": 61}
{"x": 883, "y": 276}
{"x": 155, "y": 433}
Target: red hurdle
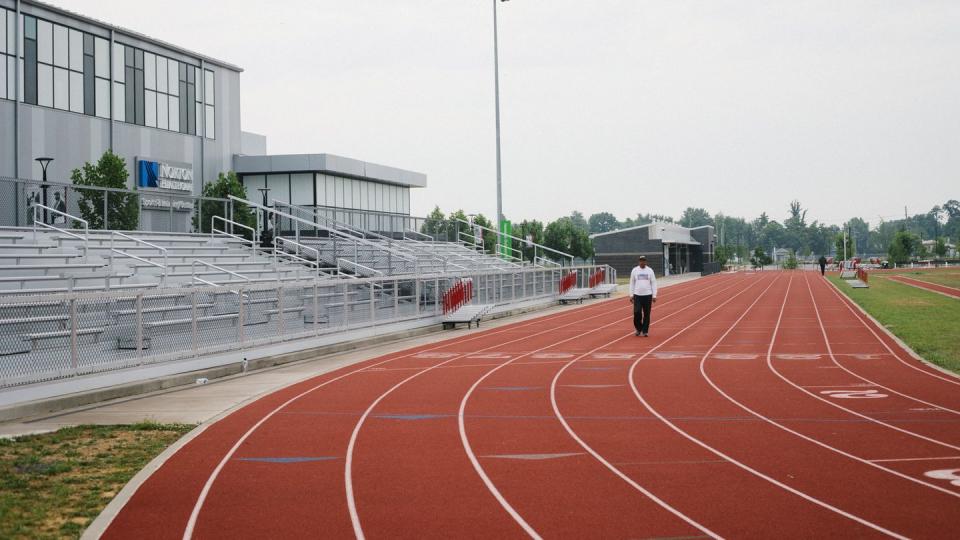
{"x": 597, "y": 277}
{"x": 568, "y": 281}
{"x": 461, "y": 293}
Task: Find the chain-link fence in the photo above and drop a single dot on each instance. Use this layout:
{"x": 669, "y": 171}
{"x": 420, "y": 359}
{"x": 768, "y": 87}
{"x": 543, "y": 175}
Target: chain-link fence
{"x": 46, "y": 337}
{"x": 107, "y": 208}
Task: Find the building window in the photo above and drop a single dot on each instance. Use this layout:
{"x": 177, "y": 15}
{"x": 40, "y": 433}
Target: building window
{"x": 8, "y": 53}
{"x": 209, "y": 98}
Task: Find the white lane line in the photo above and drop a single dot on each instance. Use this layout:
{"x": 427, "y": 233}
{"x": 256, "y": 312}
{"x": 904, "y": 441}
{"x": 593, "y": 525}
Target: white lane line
{"x": 834, "y": 359}
{"x": 913, "y": 459}
{"x": 805, "y": 437}
{"x": 952, "y": 378}
{"x": 744, "y": 466}
{"x": 348, "y": 464}
{"x": 201, "y": 499}
{"x": 573, "y": 434}
{"x": 469, "y": 449}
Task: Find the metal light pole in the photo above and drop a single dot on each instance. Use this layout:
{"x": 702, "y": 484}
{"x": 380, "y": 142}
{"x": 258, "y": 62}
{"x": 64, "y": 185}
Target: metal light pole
{"x": 496, "y": 95}
{"x": 44, "y": 161}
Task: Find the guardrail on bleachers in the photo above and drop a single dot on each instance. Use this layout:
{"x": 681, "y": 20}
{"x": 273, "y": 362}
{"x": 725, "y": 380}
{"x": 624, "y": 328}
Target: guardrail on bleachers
{"x": 62, "y": 230}
{"x": 114, "y": 251}
{"x": 58, "y": 335}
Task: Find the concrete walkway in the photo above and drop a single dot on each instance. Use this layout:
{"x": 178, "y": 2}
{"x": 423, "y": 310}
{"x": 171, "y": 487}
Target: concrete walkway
{"x": 199, "y": 403}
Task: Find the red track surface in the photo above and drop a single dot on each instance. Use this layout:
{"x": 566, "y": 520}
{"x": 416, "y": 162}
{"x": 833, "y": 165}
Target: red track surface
{"x": 760, "y": 406}
{"x": 935, "y": 287}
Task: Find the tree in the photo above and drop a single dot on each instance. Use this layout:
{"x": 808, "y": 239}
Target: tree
{"x": 722, "y": 254}
{"x": 859, "y": 230}
{"x": 850, "y": 252}
{"x": 791, "y": 263}
{"x": 436, "y": 225}
{"x": 225, "y": 185}
{"x": 760, "y": 258}
{"x": 578, "y": 221}
{"x": 695, "y": 217}
{"x": 122, "y": 210}
{"x": 603, "y": 222}
{"x": 533, "y": 230}
{"x": 562, "y": 235}
{"x": 902, "y": 247}
{"x": 940, "y": 248}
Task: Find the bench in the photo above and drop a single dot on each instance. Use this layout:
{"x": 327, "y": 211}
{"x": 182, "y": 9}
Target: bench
{"x": 468, "y": 314}
{"x": 605, "y": 289}
{"x": 574, "y": 295}
{"x": 36, "y": 337}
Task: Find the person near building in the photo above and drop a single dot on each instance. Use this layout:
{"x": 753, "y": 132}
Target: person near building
{"x": 643, "y": 293}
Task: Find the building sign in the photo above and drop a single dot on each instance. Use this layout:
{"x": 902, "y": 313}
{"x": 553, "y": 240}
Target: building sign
{"x": 161, "y": 175}
{"x": 164, "y": 203}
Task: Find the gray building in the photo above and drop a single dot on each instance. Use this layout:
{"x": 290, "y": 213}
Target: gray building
{"x": 669, "y": 248}
{"x": 72, "y": 87}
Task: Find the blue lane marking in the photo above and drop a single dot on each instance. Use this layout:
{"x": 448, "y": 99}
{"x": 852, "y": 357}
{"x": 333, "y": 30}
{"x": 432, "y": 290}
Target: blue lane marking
{"x": 287, "y": 459}
{"x": 511, "y": 388}
{"x": 412, "y": 416}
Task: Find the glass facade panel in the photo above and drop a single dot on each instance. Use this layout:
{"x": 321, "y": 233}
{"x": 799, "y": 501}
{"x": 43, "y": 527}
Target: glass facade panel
{"x": 45, "y": 85}
{"x": 3, "y": 78}
{"x": 279, "y": 185}
{"x": 103, "y": 98}
{"x": 76, "y": 92}
{"x": 347, "y": 193}
{"x": 173, "y": 80}
{"x": 210, "y": 122}
{"x": 163, "y": 104}
{"x": 61, "y": 46}
{"x": 3, "y": 32}
{"x": 102, "y": 57}
{"x": 61, "y": 89}
{"x": 173, "y": 113}
{"x": 338, "y": 192}
{"x": 150, "y": 71}
{"x": 76, "y": 50}
{"x": 118, "y": 71}
{"x": 11, "y": 78}
{"x": 119, "y": 102}
{"x": 11, "y": 32}
{"x": 44, "y": 42}
{"x": 161, "y": 74}
{"x": 357, "y": 201}
{"x": 150, "y": 108}
{"x": 364, "y": 195}
{"x": 208, "y": 87}
{"x": 301, "y": 189}
{"x": 253, "y": 183}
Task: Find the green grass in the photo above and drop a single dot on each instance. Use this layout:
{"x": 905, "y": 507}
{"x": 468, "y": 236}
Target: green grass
{"x": 928, "y": 322}
{"x": 53, "y": 485}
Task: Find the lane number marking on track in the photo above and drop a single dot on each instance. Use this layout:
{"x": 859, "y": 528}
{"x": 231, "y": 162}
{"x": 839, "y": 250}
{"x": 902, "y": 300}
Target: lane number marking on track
{"x": 552, "y": 355}
{"x": 436, "y": 355}
{"x": 613, "y": 356}
{"x": 953, "y": 475}
{"x": 673, "y": 355}
{"x": 736, "y": 356}
{"x": 491, "y": 356}
{"x": 853, "y": 394}
{"x": 798, "y": 356}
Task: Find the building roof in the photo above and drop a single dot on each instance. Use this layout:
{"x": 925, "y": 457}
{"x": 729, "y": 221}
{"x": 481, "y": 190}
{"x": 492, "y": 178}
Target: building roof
{"x": 668, "y": 233}
{"x": 131, "y": 33}
{"x": 330, "y": 164}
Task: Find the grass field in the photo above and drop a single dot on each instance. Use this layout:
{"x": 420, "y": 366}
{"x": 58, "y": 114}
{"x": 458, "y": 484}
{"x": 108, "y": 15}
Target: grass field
{"x": 928, "y": 322}
{"x": 53, "y": 485}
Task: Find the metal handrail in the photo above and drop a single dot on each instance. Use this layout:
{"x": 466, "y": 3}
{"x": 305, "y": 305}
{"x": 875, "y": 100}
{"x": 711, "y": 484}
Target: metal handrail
{"x": 193, "y": 271}
{"x": 411, "y": 231}
{"x": 163, "y": 250}
{"x": 358, "y": 265}
{"x": 86, "y": 227}
{"x": 524, "y": 240}
{"x": 214, "y": 230}
{"x": 543, "y": 261}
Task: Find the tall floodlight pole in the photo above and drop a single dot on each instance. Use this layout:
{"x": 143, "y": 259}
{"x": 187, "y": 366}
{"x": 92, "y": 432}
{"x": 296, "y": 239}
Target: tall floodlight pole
{"x": 496, "y": 97}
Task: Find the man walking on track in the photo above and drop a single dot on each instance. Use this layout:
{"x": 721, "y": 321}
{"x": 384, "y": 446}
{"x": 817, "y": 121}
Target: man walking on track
{"x": 823, "y": 265}
{"x": 643, "y": 292}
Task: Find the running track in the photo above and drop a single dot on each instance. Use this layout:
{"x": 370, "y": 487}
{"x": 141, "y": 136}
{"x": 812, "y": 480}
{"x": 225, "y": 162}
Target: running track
{"x": 761, "y": 405}
{"x": 921, "y": 284}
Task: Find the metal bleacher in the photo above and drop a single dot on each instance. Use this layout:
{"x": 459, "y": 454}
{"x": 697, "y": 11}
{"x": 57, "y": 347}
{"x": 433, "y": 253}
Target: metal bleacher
{"x": 76, "y": 301}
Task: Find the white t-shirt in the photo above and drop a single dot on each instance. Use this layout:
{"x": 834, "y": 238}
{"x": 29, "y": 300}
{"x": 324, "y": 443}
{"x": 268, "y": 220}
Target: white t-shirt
{"x": 643, "y": 281}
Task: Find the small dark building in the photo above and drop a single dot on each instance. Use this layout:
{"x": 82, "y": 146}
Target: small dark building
{"x": 670, "y": 248}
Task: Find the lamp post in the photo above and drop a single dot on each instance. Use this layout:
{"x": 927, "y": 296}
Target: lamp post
{"x": 496, "y": 94}
{"x": 44, "y": 161}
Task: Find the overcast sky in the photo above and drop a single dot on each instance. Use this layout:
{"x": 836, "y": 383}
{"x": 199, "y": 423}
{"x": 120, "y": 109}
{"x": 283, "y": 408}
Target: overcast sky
{"x": 627, "y": 106}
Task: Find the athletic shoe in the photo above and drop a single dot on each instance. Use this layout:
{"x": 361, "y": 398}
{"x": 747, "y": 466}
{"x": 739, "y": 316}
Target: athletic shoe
{"x": 645, "y": 334}
{"x": 638, "y": 333}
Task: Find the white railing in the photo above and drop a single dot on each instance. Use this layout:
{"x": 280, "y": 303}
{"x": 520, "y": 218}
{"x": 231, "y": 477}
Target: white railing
{"x": 523, "y": 241}
{"x": 162, "y": 250}
{"x": 86, "y": 226}
{"x": 356, "y": 266}
{"x": 76, "y": 333}
{"x": 223, "y": 232}
{"x": 197, "y": 279}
